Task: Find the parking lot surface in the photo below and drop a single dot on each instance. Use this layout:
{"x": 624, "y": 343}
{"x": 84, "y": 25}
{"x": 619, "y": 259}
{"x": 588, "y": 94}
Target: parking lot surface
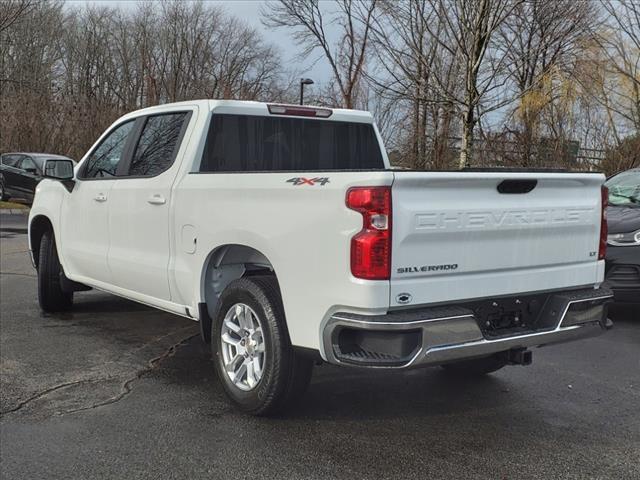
{"x": 118, "y": 390}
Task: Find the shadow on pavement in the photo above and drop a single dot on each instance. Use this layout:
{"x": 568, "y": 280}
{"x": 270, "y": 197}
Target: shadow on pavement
{"x": 624, "y": 312}
{"x": 352, "y": 394}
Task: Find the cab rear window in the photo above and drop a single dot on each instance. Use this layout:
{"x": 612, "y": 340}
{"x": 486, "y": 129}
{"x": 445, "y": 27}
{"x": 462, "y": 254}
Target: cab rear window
{"x": 244, "y": 143}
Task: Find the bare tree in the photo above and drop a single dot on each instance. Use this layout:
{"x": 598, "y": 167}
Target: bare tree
{"x": 12, "y": 10}
{"x": 430, "y": 70}
{"x": 408, "y": 60}
{"x": 620, "y": 79}
{"x": 309, "y": 21}
{"x": 546, "y": 40}
{"x": 469, "y": 35}
{"x": 621, "y": 44}
{"x": 72, "y": 71}
{"x": 29, "y": 77}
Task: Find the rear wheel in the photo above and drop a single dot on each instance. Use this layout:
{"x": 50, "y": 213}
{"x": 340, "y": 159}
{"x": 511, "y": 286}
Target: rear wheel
{"x": 477, "y": 366}
{"x": 50, "y": 294}
{"x": 251, "y": 349}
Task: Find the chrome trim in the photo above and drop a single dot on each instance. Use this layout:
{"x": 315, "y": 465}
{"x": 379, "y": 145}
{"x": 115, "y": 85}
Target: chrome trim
{"x": 571, "y": 302}
{"x": 457, "y": 337}
{"x": 635, "y": 236}
{"x": 484, "y": 347}
{"x": 613, "y": 243}
{"x": 393, "y": 325}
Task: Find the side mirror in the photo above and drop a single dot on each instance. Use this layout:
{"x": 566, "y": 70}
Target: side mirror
{"x": 31, "y": 170}
{"x": 59, "y": 169}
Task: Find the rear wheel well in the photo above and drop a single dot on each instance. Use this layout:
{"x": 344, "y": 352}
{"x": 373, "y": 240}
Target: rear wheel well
{"x": 224, "y": 265}
{"x": 39, "y": 225}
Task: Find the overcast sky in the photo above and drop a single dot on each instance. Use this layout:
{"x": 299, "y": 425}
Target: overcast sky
{"x": 249, "y": 11}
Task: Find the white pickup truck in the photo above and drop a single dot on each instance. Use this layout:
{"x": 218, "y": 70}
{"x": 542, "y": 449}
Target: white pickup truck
{"x": 286, "y": 233}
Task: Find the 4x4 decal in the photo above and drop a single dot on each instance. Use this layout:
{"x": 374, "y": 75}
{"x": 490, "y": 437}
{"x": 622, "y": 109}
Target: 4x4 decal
{"x": 309, "y": 181}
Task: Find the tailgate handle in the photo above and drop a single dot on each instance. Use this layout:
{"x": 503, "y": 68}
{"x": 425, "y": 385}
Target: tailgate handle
{"x": 517, "y": 186}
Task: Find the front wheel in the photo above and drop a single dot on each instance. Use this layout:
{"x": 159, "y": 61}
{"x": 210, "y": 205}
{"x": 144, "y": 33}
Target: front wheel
{"x": 252, "y": 353}
{"x": 50, "y": 294}
{"x": 478, "y": 366}
{"x": 3, "y": 192}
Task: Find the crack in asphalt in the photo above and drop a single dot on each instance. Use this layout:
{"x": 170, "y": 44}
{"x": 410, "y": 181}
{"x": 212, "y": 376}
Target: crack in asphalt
{"x": 155, "y": 340}
{"x": 126, "y": 385}
{"x": 47, "y": 391}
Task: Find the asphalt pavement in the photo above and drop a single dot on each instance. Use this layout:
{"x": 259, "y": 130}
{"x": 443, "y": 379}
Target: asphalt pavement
{"x": 118, "y": 390}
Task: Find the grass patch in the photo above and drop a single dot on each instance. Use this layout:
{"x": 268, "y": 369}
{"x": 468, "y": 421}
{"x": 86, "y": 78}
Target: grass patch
{"x": 12, "y": 205}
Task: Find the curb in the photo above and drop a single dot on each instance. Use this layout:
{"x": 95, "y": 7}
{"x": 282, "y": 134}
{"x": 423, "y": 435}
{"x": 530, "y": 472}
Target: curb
{"x": 14, "y": 211}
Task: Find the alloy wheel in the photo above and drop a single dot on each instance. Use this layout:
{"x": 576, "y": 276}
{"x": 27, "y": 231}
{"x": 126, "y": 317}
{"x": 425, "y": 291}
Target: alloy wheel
{"x": 243, "y": 346}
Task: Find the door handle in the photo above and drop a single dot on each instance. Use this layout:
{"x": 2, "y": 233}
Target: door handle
{"x": 101, "y": 197}
{"x": 156, "y": 200}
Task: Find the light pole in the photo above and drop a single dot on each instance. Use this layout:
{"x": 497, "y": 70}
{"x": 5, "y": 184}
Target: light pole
{"x": 303, "y": 82}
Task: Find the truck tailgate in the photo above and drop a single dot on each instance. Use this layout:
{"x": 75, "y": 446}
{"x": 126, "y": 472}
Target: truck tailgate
{"x": 464, "y": 235}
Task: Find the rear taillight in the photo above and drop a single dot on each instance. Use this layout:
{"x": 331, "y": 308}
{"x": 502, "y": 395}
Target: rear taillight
{"x": 371, "y": 247}
{"x": 602, "y": 251}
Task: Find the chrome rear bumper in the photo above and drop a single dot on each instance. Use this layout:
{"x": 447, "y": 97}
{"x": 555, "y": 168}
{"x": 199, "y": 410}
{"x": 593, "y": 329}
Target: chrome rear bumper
{"x": 437, "y": 335}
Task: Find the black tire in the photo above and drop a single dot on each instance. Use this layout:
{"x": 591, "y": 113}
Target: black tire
{"x": 477, "y": 366}
{"x": 50, "y": 294}
{"x": 285, "y": 375}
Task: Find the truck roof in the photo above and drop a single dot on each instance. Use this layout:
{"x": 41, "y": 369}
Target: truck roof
{"x": 39, "y": 155}
{"x": 250, "y": 107}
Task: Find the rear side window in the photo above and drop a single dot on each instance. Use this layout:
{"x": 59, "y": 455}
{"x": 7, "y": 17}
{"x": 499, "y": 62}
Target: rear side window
{"x": 104, "y": 160}
{"x": 28, "y": 163}
{"x": 240, "y": 143}
{"x": 158, "y": 144}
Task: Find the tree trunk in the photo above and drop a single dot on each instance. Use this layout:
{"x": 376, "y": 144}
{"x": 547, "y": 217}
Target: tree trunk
{"x": 527, "y": 140}
{"x": 415, "y": 147}
{"x": 466, "y": 149}
{"x": 420, "y": 137}
{"x": 423, "y": 138}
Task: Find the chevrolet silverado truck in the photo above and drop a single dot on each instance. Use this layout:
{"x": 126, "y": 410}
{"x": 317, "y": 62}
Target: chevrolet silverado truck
{"x": 285, "y": 232}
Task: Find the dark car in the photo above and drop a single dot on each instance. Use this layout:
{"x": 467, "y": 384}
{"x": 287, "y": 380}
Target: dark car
{"x": 623, "y": 249}
{"x": 21, "y": 172}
